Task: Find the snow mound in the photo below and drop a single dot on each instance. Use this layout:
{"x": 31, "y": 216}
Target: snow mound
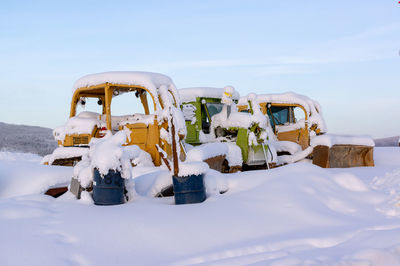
{"x": 297, "y": 214}
{"x": 22, "y": 174}
{"x": 332, "y": 139}
{"x": 232, "y": 152}
{"x": 390, "y": 185}
{"x": 350, "y": 182}
{"x": 206, "y": 151}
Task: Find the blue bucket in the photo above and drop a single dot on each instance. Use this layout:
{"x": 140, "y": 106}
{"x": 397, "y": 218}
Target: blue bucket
{"x": 189, "y": 189}
{"x": 109, "y": 189}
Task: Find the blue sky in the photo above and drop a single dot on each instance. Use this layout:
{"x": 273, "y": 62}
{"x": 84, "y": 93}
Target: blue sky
{"x": 344, "y": 54}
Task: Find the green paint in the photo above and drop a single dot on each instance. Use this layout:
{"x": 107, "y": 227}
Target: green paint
{"x": 193, "y": 130}
{"x": 243, "y": 142}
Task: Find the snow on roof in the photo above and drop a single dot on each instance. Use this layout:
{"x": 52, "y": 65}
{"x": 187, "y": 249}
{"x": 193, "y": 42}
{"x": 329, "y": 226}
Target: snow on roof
{"x": 312, "y": 107}
{"x": 190, "y": 94}
{"x": 150, "y": 80}
{"x": 333, "y": 139}
{"x": 287, "y": 97}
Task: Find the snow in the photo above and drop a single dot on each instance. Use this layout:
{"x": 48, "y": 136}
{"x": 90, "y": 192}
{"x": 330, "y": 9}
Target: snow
{"x": 234, "y": 156}
{"x": 206, "y": 151}
{"x": 290, "y": 127}
{"x": 192, "y": 168}
{"x": 298, "y": 156}
{"x": 237, "y": 119}
{"x": 171, "y": 111}
{"x": 65, "y": 152}
{"x": 333, "y": 139}
{"x": 149, "y": 80}
{"x": 227, "y": 96}
{"x": 22, "y": 174}
{"x": 108, "y": 153}
{"x": 117, "y": 121}
{"x": 288, "y": 146}
{"x": 189, "y": 112}
{"x": 298, "y": 214}
{"x": 83, "y": 123}
{"x": 230, "y": 150}
{"x": 190, "y": 94}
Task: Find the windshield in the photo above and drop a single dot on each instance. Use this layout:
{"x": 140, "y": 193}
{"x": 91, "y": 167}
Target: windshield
{"x": 89, "y": 104}
{"x": 214, "y": 108}
{"x": 281, "y": 115}
{"x": 128, "y": 103}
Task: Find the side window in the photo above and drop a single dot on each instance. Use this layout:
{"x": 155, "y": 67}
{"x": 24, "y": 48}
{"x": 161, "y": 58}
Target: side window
{"x": 189, "y": 112}
{"x": 150, "y": 102}
{"x": 205, "y": 124}
{"x": 214, "y": 108}
{"x": 299, "y": 114}
{"x": 280, "y": 115}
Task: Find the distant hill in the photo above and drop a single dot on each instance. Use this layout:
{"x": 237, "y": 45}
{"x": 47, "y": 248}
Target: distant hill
{"x": 27, "y": 139}
{"x": 387, "y": 142}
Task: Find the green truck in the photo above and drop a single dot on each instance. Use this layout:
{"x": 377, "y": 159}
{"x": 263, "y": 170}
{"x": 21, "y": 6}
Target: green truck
{"x": 209, "y": 120}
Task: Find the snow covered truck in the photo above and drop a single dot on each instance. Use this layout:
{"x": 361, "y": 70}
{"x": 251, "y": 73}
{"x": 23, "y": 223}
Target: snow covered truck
{"x": 298, "y": 119}
{"x": 138, "y": 102}
{"x": 211, "y": 119}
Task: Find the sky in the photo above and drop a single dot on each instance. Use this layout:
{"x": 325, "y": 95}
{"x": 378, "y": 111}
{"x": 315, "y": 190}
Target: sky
{"x": 343, "y": 54}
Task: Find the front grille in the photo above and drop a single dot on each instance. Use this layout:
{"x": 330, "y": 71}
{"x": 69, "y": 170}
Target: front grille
{"x": 80, "y": 140}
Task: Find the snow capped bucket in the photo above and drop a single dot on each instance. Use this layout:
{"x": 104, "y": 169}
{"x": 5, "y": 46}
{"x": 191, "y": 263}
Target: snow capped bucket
{"x": 109, "y": 189}
{"x": 189, "y": 189}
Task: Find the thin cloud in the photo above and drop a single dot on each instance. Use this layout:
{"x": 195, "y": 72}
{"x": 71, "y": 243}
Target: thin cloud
{"x": 372, "y": 44}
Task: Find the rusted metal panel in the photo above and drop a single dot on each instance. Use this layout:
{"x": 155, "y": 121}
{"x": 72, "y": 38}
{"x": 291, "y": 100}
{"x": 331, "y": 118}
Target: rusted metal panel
{"x": 56, "y": 192}
{"x": 216, "y": 162}
{"x": 321, "y": 156}
{"x": 67, "y": 161}
{"x": 343, "y": 156}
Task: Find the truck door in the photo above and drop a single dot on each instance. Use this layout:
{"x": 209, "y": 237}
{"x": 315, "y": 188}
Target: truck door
{"x": 289, "y": 123}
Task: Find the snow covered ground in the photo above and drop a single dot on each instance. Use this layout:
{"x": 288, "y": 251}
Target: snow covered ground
{"x": 298, "y": 214}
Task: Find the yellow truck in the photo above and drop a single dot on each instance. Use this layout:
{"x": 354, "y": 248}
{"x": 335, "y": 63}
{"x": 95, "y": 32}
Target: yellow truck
{"x": 293, "y": 117}
{"x": 298, "y": 119}
{"x": 144, "y": 104}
